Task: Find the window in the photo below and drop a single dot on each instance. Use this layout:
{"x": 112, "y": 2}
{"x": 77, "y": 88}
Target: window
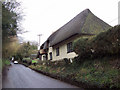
{"x": 69, "y": 47}
{"x": 44, "y": 57}
{"x": 57, "y": 51}
{"x": 50, "y": 55}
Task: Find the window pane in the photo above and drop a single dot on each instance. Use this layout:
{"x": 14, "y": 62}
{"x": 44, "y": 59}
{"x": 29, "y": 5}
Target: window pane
{"x": 57, "y": 51}
{"x": 69, "y": 47}
{"x": 50, "y": 55}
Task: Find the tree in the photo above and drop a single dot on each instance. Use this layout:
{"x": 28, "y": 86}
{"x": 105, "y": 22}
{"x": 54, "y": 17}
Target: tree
{"x": 25, "y": 50}
{"x": 10, "y": 27}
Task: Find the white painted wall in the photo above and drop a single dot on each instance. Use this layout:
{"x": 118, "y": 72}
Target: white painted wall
{"x": 50, "y": 50}
{"x": 62, "y": 50}
{"x": 43, "y": 57}
{"x": 63, "y": 53}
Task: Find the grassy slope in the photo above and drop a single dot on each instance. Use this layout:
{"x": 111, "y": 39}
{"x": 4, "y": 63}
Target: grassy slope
{"x": 102, "y": 73}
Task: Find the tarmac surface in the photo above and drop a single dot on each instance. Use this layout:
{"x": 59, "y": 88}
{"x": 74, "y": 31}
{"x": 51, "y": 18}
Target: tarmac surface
{"x": 19, "y": 76}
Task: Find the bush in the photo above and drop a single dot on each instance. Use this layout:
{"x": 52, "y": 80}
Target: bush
{"x": 105, "y": 44}
{"x": 66, "y": 60}
{"x": 18, "y": 57}
{"x": 82, "y": 47}
{"x": 29, "y": 62}
{"x": 24, "y": 61}
{"x": 45, "y": 62}
{"x": 5, "y": 62}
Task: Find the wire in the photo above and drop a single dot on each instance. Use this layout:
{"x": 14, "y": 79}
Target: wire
{"x": 114, "y": 19}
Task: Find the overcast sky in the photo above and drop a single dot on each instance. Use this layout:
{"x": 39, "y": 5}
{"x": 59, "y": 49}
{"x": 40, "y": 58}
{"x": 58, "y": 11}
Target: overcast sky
{"x": 46, "y": 16}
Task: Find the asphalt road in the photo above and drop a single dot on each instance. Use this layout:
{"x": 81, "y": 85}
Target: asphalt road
{"x": 19, "y": 76}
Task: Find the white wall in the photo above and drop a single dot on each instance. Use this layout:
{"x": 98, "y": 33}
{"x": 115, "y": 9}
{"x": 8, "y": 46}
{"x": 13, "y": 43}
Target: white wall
{"x": 50, "y": 50}
{"x": 63, "y": 53}
{"x": 62, "y": 50}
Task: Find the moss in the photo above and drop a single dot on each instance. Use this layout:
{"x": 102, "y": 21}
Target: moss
{"x": 93, "y": 25}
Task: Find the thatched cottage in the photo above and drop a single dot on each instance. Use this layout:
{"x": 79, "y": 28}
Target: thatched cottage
{"x": 59, "y": 44}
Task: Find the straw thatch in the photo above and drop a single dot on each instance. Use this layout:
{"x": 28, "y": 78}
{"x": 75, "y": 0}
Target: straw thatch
{"x": 84, "y": 23}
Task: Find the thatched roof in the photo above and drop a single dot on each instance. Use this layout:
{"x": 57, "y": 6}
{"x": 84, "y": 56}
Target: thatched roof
{"x": 84, "y": 23}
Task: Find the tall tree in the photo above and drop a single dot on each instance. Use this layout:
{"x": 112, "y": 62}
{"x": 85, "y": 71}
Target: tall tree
{"x": 26, "y": 49}
{"x": 10, "y": 19}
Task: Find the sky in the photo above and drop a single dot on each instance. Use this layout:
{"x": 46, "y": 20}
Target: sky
{"x": 46, "y": 16}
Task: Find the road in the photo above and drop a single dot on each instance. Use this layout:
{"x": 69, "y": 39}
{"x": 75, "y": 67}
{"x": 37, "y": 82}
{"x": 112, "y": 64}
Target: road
{"x": 19, "y": 76}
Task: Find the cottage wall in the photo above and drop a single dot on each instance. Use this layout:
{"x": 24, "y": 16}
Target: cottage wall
{"x": 62, "y": 50}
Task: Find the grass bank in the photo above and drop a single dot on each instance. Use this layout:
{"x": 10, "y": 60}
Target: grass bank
{"x": 101, "y": 73}
{"x": 5, "y": 62}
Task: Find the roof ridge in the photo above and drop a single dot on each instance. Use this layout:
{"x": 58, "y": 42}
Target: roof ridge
{"x": 76, "y": 25}
{"x": 86, "y": 16}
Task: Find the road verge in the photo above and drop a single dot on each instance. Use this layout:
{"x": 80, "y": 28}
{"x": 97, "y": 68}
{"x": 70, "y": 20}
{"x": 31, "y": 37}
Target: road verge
{"x": 72, "y": 74}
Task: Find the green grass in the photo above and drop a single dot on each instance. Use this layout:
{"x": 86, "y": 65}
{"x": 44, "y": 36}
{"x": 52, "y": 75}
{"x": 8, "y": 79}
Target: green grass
{"x": 99, "y": 76}
{"x": 5, "y": 62}
{"x": 100, "y": 72}
{"x": 34, "y": 61}
{"x": 31, "y": 60}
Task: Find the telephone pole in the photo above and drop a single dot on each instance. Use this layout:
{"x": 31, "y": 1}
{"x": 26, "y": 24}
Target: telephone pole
{"x": 39, "y": 41}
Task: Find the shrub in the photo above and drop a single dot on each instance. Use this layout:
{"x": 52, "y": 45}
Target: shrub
{"x": 24, "y": 61}
{"x": 105, "y": 44}
{"x": 5, "y": 62}
{"x": 45, "y": 62}
{"x": 66, "y": 60}
{"x": 18, "y": 57}
{"x": 82, "y": 47}
{"x": 29, "y": 62}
